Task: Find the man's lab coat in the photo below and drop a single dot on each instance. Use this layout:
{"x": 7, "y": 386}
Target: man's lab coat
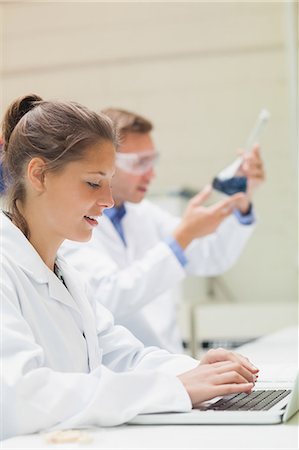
{"x": 136, "y": 281}
{"x": 63, "y": 362}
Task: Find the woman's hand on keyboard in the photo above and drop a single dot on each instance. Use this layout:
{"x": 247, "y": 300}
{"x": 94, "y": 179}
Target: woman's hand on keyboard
{"x": 220, "y": 372}
{"x": 220, "y": 354}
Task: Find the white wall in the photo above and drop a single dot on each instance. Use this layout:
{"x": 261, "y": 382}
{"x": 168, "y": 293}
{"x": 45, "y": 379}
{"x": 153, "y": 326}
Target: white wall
{"x": 201, "y": 72}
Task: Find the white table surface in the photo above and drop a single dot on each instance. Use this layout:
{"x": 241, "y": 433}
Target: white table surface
{"x": 277, "y": 351}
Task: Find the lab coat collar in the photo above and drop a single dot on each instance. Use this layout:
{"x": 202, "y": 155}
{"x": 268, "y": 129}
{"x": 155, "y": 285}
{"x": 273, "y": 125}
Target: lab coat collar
{"x": 30, "y": 261}
{"x": 60, "y": 292}
{"x": 26, "y": 256}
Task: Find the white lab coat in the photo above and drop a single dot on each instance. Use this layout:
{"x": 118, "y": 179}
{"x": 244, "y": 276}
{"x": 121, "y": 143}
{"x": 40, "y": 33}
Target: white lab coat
{"x": 63, "y": 362}
{"x": 136, "y": 282}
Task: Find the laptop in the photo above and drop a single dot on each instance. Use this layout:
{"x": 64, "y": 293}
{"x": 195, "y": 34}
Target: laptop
{"x": 261, "y": 406}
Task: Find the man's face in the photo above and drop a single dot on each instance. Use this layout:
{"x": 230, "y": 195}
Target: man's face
{"x": 132, "y": 184}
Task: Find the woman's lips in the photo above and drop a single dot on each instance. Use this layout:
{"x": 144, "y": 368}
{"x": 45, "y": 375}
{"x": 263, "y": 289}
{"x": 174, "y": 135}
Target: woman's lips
{"x": 91, "y": 220}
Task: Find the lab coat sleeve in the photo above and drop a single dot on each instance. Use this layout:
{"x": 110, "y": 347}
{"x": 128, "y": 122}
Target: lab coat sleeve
{"x": 219, "y": 251}
{"x": 123, "y": 351}
{"x": 125, "y": 291}
{"x": 210, "y": 255}
{"x": 35, "y": 397}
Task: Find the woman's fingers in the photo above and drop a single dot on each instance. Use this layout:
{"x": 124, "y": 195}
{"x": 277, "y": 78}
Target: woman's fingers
{"x": 234, "y": 367}
{"x": 226, "y": 389}
{"x": 229, "y": 378}
{"x": 220, "y": 354}
{"x": 207, "y": 381}
{"x": 245, "y": 361}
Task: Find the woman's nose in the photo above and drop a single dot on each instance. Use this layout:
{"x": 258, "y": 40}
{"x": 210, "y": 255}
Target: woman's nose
{"x": 106, "y": 198}
{"x": 110, "y": 202}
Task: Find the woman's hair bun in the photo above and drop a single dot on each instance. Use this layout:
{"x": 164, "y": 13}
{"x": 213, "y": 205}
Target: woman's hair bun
{"x": 15, "y": 112}
{"x": 26, "y": 103}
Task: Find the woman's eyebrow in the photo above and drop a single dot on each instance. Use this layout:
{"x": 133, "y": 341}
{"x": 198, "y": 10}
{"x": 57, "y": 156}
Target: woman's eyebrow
{"x": 98, "y": 172}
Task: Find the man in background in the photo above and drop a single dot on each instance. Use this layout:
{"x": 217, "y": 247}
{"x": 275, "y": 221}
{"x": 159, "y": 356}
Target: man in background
{"x": 139, "y": 253}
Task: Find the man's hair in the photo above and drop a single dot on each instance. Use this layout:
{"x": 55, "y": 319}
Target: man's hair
{"x": 128, "y": 122}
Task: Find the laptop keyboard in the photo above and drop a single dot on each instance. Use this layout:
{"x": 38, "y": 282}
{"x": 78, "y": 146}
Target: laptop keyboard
{"x": 255, "y": 401}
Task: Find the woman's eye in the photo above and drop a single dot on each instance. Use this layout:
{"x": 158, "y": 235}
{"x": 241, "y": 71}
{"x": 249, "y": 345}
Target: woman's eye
{"x": 94, "y": 185}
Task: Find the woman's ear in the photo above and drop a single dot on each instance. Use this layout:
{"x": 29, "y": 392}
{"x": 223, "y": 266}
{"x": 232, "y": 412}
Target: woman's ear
{"x": 36, "y": 173}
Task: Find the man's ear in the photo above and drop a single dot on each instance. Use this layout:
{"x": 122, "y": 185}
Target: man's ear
{"x": 36, "y": 173}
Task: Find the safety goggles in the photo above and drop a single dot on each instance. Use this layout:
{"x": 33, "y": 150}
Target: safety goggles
{"x": 137, "y": 163}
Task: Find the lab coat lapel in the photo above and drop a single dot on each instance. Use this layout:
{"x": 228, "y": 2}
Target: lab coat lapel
{"x": 78, "y": 295}
{"x": 60, "y": 293}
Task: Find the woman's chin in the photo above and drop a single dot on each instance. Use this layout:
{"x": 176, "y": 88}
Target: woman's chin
{"x": 82, "y": 237}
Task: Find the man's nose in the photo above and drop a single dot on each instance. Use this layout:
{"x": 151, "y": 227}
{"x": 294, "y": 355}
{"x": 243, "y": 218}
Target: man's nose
{"x": 150, "y": 173}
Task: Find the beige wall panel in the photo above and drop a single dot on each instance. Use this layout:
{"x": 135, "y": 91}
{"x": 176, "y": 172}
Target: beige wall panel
{"x": 202, "y": 72}
{"x": 77, "y": 33}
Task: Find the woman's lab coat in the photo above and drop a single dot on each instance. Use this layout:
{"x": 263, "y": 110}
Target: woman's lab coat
{"x": 136, "y": 282}
{"x": 63, "y": 362}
